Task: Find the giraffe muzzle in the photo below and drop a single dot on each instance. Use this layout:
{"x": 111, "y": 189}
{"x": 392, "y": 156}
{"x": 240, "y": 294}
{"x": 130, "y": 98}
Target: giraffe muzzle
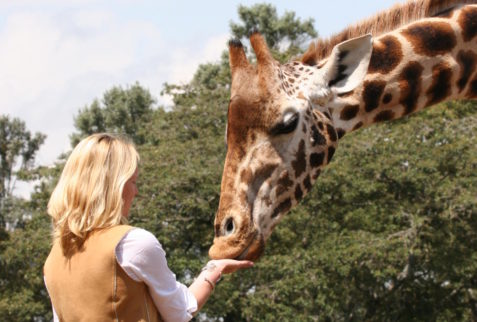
{"x": 250, "y": 249}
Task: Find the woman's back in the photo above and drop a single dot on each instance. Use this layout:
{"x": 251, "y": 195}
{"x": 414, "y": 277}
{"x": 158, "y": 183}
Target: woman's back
{"x": 89, "y": 285}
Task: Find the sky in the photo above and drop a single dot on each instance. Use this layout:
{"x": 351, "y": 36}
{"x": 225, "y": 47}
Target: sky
{"x": 57, "y": 56}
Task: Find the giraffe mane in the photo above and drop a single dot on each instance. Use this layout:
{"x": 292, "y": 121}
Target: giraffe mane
{"x": 382, "y": 22}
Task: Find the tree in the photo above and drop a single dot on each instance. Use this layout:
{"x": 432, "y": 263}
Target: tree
{"x": 18, "y": 148}
{"x": 23, "y": 246}
{"x": 121, "y": 111}
{"x": 285, "y": 35}
{"x": 23, "y": 296}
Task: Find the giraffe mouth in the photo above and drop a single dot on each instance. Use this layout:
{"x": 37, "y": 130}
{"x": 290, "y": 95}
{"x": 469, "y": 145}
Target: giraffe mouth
{"x": 254, "y": 249}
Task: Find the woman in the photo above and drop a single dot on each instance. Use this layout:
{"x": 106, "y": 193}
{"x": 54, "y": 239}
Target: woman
{"x": 99, "y": 268}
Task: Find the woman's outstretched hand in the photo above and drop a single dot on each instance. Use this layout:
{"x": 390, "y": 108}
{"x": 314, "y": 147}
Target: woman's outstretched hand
{"x": 210, "y": 275}
{"x": 227, "y": 266}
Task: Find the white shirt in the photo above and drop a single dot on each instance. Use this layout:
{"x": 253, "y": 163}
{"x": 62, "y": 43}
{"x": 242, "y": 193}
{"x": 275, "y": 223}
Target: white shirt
{"x": 141, "y": 256}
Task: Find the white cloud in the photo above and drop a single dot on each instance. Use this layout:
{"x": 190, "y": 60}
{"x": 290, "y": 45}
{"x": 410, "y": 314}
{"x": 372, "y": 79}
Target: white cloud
{"x": 53, "y": 63}
{"x": 17, "y": 3}
{"x": 186, "y": 60}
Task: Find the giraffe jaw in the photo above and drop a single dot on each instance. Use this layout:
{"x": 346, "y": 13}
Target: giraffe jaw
{"x": 254, "y": 249}
{"x": 251, "y": 249}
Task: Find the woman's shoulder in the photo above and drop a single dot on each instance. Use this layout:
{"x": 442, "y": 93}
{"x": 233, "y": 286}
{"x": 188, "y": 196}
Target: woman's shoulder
{"x": 137, "y": 251}
{"x": 137, "y": 245}
{"x": 140, "y": 233}
{"x": 140, "y": 238}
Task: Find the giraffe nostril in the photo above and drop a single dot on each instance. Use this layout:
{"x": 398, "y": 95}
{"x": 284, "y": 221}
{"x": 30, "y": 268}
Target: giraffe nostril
{"x": 229, "y": 227}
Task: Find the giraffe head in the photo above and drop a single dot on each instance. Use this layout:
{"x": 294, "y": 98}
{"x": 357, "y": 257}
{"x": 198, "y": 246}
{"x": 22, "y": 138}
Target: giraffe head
{"x": 279, "y": 137}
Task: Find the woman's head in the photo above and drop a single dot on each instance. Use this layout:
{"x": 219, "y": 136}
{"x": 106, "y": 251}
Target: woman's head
{"x": 89, "y": 194}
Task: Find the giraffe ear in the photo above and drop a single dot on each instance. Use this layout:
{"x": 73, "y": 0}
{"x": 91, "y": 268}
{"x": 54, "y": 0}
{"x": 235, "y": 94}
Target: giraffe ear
{"x": 348, "y": 64}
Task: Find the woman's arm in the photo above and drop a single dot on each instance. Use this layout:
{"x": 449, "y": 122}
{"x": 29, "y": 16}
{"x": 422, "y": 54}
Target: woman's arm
{"x": 204, "y": 284}
{"x": 141, "y": 256}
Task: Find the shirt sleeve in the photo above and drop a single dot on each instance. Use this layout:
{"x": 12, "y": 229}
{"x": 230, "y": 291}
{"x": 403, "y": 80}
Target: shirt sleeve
{"x": 141, "y": 256}
{"x": 55, "y": 316}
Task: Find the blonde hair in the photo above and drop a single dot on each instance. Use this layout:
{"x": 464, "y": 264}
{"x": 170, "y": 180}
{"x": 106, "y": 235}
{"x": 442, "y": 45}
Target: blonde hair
{"x": 88, "y": 195}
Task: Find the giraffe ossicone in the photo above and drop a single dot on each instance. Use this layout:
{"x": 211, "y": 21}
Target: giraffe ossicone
{"x": 285, "y": 121}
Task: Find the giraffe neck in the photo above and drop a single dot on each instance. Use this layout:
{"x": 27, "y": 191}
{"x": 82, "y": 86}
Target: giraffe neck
{"x": 418, "y": 65}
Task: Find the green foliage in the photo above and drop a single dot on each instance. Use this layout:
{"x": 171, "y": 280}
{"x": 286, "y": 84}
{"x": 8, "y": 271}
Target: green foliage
{"x": 23, "y": 251}
{"x": 23, "y": 296}
{"x": 18, "y": 148}
{"x": 284, "y": 35}
{"x": 387, "y": 233}
{"x": 373, "y": 240}
{"x": 120, "y": 111}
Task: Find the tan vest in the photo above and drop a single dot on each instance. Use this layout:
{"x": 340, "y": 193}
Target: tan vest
{"x": 91, "y": 286}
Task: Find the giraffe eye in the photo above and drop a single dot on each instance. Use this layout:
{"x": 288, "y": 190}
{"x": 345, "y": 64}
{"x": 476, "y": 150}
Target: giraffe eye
{"x": 229, "y": 227}
{"x": 287, "y": 126}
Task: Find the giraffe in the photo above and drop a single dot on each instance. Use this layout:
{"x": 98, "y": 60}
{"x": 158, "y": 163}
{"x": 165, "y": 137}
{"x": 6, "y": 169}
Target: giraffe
{"x": 285, "y": 121}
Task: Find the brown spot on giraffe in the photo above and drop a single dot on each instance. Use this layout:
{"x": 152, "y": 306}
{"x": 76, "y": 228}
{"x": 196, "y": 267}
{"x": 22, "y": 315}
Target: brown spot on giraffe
{"x": 331, "y": 152}
{"x": 467, "y": 61}
{"x": 431, "y": 38}
{"x": 298, "y": 192}
{"x": 386, "y": 115}
{"x": 242, "y": 118}
{"x": 321, "y": 126}
{"x": 301, "y": 96}
{"x": 372, "y": 94}
{"x": 472, "y": 92}
{"x": 267, "y": 201}
{"x": 243, "y": 197}
{"x": 349, "y": 112}
{"x": 259, "y": 177}
{"x": 284, "y": 183}
{"x": 307, "y": 183}
{"x": 233, "y": 167}
{"x": 441, "y": 87}
{"x": 316, "y": 159}
{"x": 387, "y": 98}
{"x": 410, "y": 86}
{"x": 284, "y": 206}
{"x": 230, "y": 185}
{"x": 468, "y": 22}
{"x": 316, "y": 174}
{"x": 253, "y": 138}
{"x": 318, "y": 138}
{"x": 331, "y": 133}
{"x": 246, "y": 176}
{"x": 299, "y": 164}
{"x": 357, "y": 126}
{"x": 340, "y": 133}
{"x": 387, "y": 54}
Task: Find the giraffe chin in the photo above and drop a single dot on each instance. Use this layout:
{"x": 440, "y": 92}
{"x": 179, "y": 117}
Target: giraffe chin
{"x": 252, "y": 251}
